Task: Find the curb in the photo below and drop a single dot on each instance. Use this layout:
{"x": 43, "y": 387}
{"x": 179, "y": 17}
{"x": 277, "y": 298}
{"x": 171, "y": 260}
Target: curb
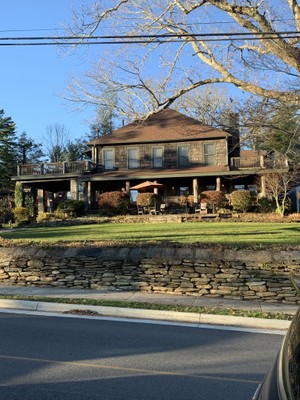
{"x": 170, "y": 316}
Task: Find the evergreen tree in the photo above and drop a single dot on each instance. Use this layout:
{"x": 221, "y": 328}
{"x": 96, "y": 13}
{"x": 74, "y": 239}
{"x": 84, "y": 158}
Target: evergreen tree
{"x": 8, "y": 158}
{"x": 76, "y": 150}
{"x": 276, "y": 129}
{"x": 28, "y": 151}
{"x": 283, "y": 135}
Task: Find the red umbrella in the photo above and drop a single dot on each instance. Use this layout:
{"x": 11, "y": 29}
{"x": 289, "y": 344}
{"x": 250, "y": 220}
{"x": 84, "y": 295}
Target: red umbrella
{"x": 147, "y": 185}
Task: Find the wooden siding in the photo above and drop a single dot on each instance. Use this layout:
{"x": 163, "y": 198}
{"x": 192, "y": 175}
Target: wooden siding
{"x": 170, "y": 153}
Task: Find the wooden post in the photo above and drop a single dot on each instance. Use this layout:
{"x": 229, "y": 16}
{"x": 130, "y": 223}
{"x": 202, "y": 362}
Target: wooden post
{"x": 74, "y": 189}
{"x": 263, "y": 192}
{"x": 87, "y": 195}
{"x": 41, "y": 200}
{"x": 196, "y": 190}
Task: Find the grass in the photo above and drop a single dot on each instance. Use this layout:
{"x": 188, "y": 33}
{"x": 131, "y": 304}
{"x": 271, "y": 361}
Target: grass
{"x": 154, "y": 306}
{"x": 223, "y": 233}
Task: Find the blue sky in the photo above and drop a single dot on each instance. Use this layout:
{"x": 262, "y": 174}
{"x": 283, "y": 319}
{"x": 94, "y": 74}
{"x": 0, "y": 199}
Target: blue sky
{"x": 32, "y": 77}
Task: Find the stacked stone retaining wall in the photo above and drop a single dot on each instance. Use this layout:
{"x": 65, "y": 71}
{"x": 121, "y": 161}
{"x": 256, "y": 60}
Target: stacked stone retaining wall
{"x": 239, "y": 274}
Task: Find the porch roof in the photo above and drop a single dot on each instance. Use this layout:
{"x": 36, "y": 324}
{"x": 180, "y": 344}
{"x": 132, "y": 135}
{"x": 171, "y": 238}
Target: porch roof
{"x": 153, "y": 174}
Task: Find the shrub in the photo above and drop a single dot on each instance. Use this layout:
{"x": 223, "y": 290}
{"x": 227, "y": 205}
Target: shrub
{"x": 19, "y": 194}
{"x": 147, "y": 199}
{"x": 266, "y": 205}
{"x": 75, "y": 207}
{"x": 29, "y": 203}
{"x": 190, "y": 200}
{"x": 21, "y": 215}
{"x": 241, "y": 200}
{"x": 59, "y": 214}
{"x": 113, "y": 203}
{"x": 44, "y": 216}
{"x": 6, "y": 214}
{"x": 215, "y": 199}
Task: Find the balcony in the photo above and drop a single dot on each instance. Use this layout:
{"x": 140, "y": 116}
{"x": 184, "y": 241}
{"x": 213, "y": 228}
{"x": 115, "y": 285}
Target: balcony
{"x": 58, "y": 168}
{"x": 261, "y": 162}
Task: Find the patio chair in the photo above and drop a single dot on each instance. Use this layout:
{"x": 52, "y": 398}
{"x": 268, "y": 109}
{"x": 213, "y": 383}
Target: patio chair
{"x": 201, "y": 208}
{"x": 155, "y": 210}
{"x": 163, "y": 208}
{"x": 140, "y": 210}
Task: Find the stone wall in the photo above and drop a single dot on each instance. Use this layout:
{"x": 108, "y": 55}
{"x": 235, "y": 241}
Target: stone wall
{"x": 239, "y": 274}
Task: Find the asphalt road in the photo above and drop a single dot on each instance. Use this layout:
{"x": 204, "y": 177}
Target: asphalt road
{"x": 45, "y": 358}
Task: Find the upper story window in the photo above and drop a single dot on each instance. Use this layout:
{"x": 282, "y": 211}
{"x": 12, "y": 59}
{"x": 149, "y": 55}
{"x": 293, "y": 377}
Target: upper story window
{"x": 209, "y": 153}
{"x": 109, "y": 158}
{"x": 133, "y": 157}
{"x": 183, "y": 156}
{"x": 157, "y": 157}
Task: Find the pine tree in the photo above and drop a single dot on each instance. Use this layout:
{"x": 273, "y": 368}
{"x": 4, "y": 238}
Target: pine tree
{"x": 277, "y": 131}
{"x": 8, "y": 159}
{"x": 284, "y": 134}
{"x": 28, "y": 151}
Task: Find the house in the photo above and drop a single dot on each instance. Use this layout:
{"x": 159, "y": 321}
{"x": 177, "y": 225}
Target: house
{"x": 294, "y": 196}
{"x": 170, "y": 148}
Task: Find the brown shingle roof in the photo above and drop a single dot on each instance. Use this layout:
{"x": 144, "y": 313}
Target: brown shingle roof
{"x": 165, "y": 126}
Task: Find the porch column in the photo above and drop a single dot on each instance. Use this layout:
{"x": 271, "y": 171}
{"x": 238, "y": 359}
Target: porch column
{"x": 87, "y": 195}
{"x": 263, "y": 192}
{"x": 218, "y": 184}
{"x": 41, "y": 200}
{"x": 155, "y": 190}
{"x": 50, "y": 202}
{"x": 196, "y": 190}
{"x": 74, "y": 189}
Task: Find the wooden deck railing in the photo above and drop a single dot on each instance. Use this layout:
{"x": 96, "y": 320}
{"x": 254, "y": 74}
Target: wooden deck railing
{"x": 237, "y": 163}
{"x": 72, "y": 167}
{"x": 246, "y": 162}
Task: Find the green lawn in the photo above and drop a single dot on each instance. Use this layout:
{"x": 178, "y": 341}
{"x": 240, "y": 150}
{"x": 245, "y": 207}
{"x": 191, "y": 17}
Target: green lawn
{"x": 204, "y": 232}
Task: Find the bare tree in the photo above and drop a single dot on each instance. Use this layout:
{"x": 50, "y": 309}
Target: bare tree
{"x": 167, "y": 49}
{"x": 211, "y": 107}
{"x": 55, "y": 142}
{"x": 278, "y": 184}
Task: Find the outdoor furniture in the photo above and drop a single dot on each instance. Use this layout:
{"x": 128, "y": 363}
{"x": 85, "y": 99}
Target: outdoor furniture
{"x": 163, "y": 208}
{"x": 140, "y": 210}
{"x": 201, "y": 208}
{"x": 155, "y": 210}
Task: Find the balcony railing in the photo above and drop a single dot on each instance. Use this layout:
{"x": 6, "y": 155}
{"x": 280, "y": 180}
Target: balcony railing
{"x": 246, "y": 162}
{"x": 58, "y": 168}
{"x": 237, "y": 163}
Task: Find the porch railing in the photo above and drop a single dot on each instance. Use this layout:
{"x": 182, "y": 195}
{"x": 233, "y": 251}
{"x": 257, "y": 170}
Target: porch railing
{"x": 58, "y": 168}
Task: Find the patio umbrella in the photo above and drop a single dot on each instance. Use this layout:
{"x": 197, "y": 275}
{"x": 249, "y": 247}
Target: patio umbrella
{"x": 147, "y": 185}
